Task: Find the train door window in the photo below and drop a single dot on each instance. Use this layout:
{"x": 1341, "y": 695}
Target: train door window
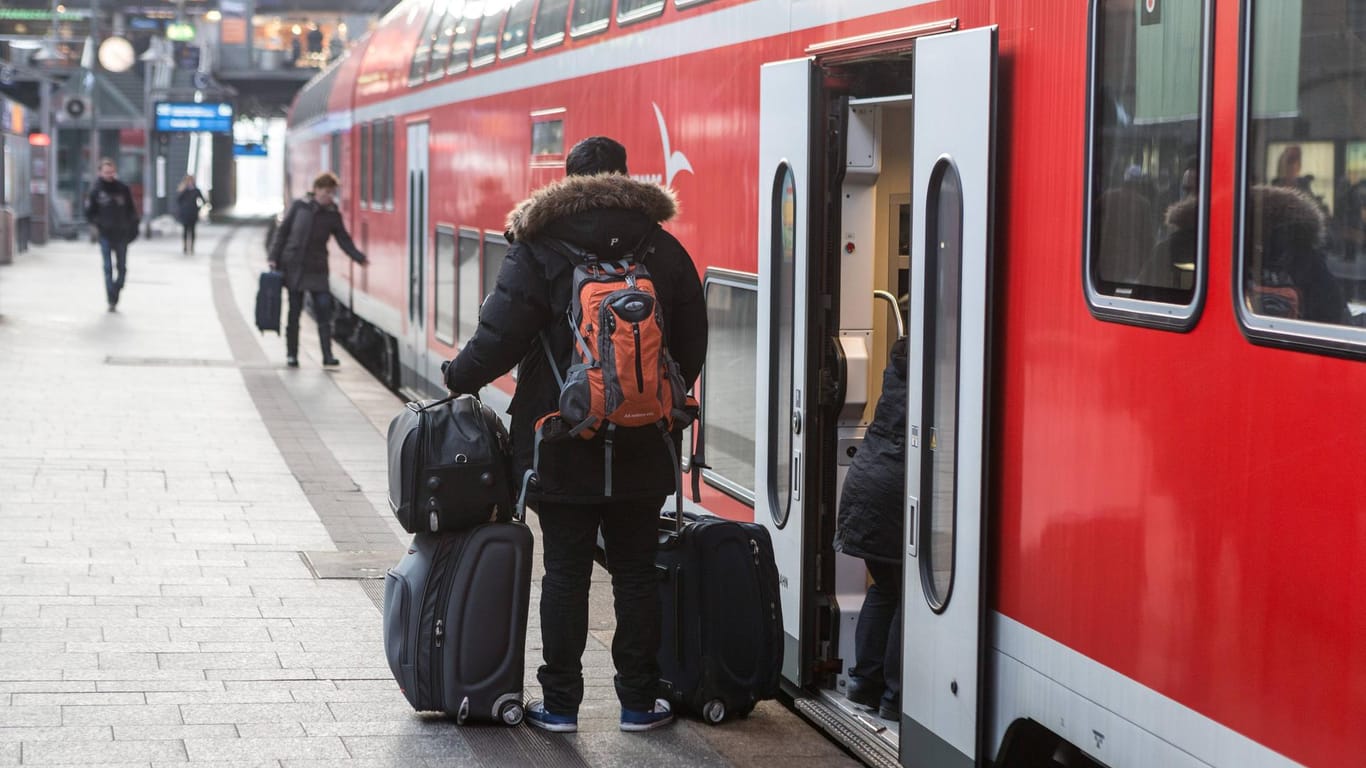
{"x": 1301, "y": 276}
{"x": 444, "y": 267}
{"x": 729, "y": 379}
{"x": 551, "y": 17}
{"x": 389, "y": 161}
{"x": 486, "y": 42}
{"x": 445, "y": 36}
{"x": 334, "y": 153}
{"x": 516, "y": 29}
{"x": 1147, "y": 209}
{"x": 547, "y": 136}
{"x": 495, "y": 250}
{"x": 418, "y": 68}
{"x": 465, "y": 29}
{"x": 636, "y": 10}
{"x": 590, "y": 17}
{"x": 469, "y": 287}
{"x": 779, "y": 419}
{"x": 367, "y": 174}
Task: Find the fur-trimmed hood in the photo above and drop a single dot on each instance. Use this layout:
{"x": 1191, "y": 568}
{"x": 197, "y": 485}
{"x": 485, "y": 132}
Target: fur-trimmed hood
{"x": 1289, "y": 213}
{"x": 575, "y": 195}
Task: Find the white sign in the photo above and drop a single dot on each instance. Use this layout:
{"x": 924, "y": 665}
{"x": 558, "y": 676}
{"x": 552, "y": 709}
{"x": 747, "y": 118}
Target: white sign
{"x": 161, "y": 176}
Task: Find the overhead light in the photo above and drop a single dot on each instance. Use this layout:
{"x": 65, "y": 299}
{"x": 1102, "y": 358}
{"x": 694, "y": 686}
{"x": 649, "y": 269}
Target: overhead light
{"x": 213, "y": 15}
{"x": 296, "y": 29}
{"x": 61, "y": 9}
{"x": 32, "y": 44}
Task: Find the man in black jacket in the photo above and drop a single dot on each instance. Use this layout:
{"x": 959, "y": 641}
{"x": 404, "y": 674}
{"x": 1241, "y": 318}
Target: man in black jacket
{"x": 110, "y": 209}
{"x": 599, "y": 209}
{"x": 300, "y": 249}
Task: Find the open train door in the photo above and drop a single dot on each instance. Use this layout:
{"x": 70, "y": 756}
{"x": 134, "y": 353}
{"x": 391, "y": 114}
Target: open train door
{"x": 947, "y": 426}
{"x": 782, "y": 401}
{"x": 415, "y": 341}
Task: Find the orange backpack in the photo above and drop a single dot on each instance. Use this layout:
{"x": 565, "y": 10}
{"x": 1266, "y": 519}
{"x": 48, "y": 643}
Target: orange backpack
{"x": 623, "y": 375}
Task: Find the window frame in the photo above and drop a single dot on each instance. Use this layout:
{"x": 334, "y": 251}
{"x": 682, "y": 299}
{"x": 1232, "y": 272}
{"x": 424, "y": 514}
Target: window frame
{"x": 1285, "y": 333}
{"x": 488, "y": 282}
{"x": 437, "y": 69}
{"x": 478, "y": 61}
{"x": 545, "y": 117}
{"x": 475, "y": 236}
{"x": 781, "y": 337}
{"x": 518, "y": 49}
{"x": 681, "y": 4}
{"x": 539, "y": 42}
{"x": 455, "y": 66}
{"x": 1147, "y": 313}
{"x": 422, "y": 53}
{"x": 740, "y": 281}
{"x": 447, "y": 230}
{"x": 595, "y": 27}
{"x": 647, "y": 11}
{"x": 367, "y": 160}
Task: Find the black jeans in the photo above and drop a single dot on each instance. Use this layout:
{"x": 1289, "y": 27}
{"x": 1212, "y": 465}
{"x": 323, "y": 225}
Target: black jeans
{"x": 322, "y": 312}
{"x": 118, "y": 250}
{"x": 877, "y": 637}
{"x": 569, "y": 533}
{"x": 187, "y": 239}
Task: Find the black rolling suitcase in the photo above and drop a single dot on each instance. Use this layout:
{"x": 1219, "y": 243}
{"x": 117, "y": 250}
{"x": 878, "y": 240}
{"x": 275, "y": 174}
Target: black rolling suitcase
{"x": 268, "y": 301}
{"x": 450, "y": 466}
{"x": 455, "y": 613}
{"x": 721, "y": 648}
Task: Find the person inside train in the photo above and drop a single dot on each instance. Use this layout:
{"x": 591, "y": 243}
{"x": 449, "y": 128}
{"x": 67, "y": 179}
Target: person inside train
{"x": 870, "y": 525}
{"x": 1172, "y": 264}
{"x": 1285, "y": 272}
{"x": 598, "y": 208}
{"x": 1126, "y": 227}
{"x": 299, "y": 249}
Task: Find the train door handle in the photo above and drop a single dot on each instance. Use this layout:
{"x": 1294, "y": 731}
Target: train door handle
{"x": 796, "y": 422}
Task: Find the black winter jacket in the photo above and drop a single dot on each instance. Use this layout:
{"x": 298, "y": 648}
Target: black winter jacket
{"x": 305, "y": 265}
{"x": 110, "y": 208}
{"x": 187, "y": 203}
{"x": 871, "y": 520}
{"x": 609, "y": 215}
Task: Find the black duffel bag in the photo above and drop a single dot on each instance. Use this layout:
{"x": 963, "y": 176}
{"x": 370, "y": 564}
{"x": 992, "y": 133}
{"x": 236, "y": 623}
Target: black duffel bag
{"x": 450, "y": 466}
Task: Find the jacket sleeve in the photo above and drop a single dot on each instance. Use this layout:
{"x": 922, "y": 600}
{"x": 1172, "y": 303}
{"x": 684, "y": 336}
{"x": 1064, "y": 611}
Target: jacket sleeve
{"x": 509, "y": 320}
{"x": 688, "y": 321}
{"x": 347, "y": 244}
{"x": 277, "y": 246}
{"x": 90, "y": 208}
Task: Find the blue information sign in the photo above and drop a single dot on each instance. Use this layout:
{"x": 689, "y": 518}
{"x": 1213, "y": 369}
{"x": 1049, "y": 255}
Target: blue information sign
{"x": 175, "y": 117}
{"x": 249, "y": 149}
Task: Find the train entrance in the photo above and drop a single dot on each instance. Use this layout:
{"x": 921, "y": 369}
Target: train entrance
{"x": 875, "y": 179}
{"x": 415, "y": 357}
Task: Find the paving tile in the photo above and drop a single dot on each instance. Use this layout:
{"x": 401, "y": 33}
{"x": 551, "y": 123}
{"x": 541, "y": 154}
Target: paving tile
{"x": 255, "y": 713}
{"x": 55, "y": 733}
{"x": 145, "y": 714}
{"x": 96, "y": 752}
{"x": 448, "y": 747}
{"x": 314, "y": 748}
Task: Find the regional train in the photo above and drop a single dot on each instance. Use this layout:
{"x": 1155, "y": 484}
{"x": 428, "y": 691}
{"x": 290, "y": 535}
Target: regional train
{"x": 1127, "y": 241}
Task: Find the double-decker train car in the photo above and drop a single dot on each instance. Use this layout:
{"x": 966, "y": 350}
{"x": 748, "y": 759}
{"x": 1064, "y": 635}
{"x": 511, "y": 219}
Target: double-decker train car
{"x": 1127, "y": 241}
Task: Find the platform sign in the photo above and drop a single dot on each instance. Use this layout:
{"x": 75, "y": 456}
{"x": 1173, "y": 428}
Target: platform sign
{"x": 173, "y": 117}
{"x": 249, "y": 149}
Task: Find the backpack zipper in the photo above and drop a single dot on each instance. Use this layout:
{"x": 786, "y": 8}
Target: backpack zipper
{"x": 640, "y": 375}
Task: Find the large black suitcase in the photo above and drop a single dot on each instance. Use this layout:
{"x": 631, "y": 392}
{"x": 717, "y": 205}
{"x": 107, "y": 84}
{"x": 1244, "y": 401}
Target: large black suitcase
{"x": 450, "y": 466}
{"x": 455, "y": 612}
{"x": 268, "y": 292}
{"x": 721, "y": 648}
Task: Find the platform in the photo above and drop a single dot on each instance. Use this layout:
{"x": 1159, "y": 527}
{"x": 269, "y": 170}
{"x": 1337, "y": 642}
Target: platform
{"x": 190, "y": 535}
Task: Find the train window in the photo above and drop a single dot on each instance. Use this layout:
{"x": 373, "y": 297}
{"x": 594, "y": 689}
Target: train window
{"x": 939, "y": 458}
{"x": 728, "y": 380}
{"x": 367, "y": 175}
{"x": 486, "y": 42}
{"x": 1301, "y": 278}
{"x": 465, "y": 28}
{"x": 444, "y": 268}
{"x": 470, "y": 288}
{"x": 1145, "y": 249}
{"x": 550, "y": 20}
{"x": 386, "y": 171}
{"x": 445, "y": 36}
{"x": 590, "y": 16}
{"x": 334, "y": 154}
{"x": 516, "y": 29}
{"x": 547, "y": 138}
{"x": 418, "y": 69}
{"x": 779, "y": 418}
{"x": 495, "y": 250}
{"x": 635, "y": 10}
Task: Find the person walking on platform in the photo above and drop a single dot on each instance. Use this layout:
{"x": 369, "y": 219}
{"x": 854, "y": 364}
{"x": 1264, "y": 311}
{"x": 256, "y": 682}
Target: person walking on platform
{"x": 597, "y": 208}
{"x": 299, "y": 249}
{"x": 187, "y": 203}
{"x": 110, "y": 209}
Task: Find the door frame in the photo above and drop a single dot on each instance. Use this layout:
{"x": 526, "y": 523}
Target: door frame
{"x": 419, "y": 247}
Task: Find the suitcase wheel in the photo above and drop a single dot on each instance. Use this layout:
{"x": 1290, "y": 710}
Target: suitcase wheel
{"x": 714, "y": 711}
{"x": 511, "y": 712}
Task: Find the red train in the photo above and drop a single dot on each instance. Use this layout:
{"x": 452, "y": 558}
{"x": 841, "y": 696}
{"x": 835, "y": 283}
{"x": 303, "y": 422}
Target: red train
{"x": 1128, "y": 236}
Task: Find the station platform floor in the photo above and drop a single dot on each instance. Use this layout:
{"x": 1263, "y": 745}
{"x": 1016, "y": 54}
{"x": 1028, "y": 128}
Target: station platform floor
{"x": 193, "y": 538}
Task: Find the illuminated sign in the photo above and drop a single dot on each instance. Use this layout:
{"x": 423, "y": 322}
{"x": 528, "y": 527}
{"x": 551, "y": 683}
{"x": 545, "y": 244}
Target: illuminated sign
{"x": 180, "y": 32}
{"x": 173, "y": 117}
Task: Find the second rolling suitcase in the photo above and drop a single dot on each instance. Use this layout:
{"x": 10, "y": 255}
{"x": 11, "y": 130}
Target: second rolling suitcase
{"x": 721, "y": 647}
{"x": 455, "y": 614}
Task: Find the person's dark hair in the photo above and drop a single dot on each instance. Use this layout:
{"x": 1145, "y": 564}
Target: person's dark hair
{"x": 326, "y": 180}
{"x": 594, "y": 155}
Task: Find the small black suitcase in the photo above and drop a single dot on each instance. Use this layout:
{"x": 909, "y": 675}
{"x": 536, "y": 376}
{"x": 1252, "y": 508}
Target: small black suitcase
{"x": 455, "y": 614}
{"x": 450, "y": 466}
{"x": 721, "y": 647}
{"x": 268, "y": 301}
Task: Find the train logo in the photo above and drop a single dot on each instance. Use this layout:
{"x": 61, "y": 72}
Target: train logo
{"x": 673, "y": 161}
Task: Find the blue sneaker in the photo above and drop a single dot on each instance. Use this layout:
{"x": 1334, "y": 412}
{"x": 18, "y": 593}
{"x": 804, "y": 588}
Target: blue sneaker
{"x": 635, "y": 720}
{"x": 537, "y": 716}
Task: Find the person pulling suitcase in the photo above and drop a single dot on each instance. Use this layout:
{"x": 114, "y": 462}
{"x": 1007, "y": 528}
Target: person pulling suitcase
{"x": 595, "y": 224}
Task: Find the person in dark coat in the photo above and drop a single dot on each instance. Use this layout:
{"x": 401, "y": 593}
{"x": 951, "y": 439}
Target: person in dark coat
{"x": 599, "y": 209}
{"x": 110, "y": 209}
{"x": 188, "y": 200}
{"x": 1286, "y": 274}
{"x": 300, "y": 251}
{"x": 870, "y": 525}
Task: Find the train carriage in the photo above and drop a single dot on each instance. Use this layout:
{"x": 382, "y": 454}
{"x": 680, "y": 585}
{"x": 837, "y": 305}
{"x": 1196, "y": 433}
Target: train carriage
{"x": 1126, "y": 236}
